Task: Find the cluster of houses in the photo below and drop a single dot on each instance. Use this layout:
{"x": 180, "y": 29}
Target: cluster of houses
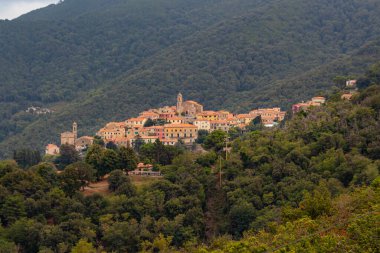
{"x": 181, "y": 123}
{"x": 169, "y": 124}
{"x": 350, "y": 90}
{"x": 70, "y": 138}
{"x": 315, "y": 101}
{"x": 38, "y": 110}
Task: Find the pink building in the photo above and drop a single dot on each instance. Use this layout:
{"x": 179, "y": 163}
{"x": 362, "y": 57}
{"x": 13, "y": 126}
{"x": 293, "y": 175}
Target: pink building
{"x": 157, "y": 131}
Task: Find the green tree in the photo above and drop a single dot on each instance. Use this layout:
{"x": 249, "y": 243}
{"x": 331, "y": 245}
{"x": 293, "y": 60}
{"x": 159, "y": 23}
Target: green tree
{"x": 111, "y": 145}
{"x": 109, "y": 161}
{"x": 12, "y": 209}
{"x": 149, "y": 122}
{"x": 47, "y": 171}
{"x": 318, "y": 202}
{"x": 116, "y": 179}
{"x": 26, "y": 158}
{"x": 215, "y": 140}
{"x": 98, "y": 141}
{"x": 128, "y": 159}
{"x": 83, "y": 246}
{"x": 26, "y": 233}
{"x": 68, "y": 155}
{"x": 255, "y": 124}
{"x": 202, "y": 134}
{"x": 241, "y": 215}
{"x": 76, "y": 176}
{"x": 7, "y": 166}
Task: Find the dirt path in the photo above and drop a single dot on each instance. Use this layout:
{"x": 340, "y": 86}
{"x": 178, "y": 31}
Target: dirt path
{"x": 98, "y": 187}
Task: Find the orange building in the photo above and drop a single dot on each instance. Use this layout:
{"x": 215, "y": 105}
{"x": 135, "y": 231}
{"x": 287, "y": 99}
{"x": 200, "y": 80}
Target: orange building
{"x": 52, "y": 149}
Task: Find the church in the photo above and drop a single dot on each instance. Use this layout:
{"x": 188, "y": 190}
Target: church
{"x": 69, "y": 138}
{"x": 188, "y": 108}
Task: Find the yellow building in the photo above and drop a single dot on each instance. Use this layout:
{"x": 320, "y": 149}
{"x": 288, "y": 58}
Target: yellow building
{"x": 186, "y": 132}
{"x": 175, "y": 120}
{"x": 244, "y": 118}
{"x": 270, "y": 114}
{"x": 112, "y": 131}
{"x": 207, "y": 115}
{"x": 224, "y": 115}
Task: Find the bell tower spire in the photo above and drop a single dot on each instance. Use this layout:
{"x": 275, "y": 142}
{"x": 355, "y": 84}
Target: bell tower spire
{"x": 179, "y": 103}
{"x": 75, "y": 130}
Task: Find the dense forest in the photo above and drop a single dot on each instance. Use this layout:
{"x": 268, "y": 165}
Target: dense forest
{"x": 310, "y": 185}
{"x": 98, "y": 61}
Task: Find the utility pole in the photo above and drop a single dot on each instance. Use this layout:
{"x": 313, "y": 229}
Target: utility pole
{"x": 220, "y": 171}
{"x": 226, "y": 148}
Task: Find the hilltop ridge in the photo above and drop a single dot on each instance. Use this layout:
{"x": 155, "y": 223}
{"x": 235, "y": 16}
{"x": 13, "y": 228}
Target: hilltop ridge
{"x": 95, "y": 63}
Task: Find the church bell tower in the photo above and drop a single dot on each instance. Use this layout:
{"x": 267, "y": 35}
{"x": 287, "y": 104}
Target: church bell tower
{"x": 179, "y": 103}
{"x": 75, "y": 130}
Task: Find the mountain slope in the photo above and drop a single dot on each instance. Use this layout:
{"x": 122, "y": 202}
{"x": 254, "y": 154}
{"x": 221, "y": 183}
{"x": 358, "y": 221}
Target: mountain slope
{"x": 109, "y": 63}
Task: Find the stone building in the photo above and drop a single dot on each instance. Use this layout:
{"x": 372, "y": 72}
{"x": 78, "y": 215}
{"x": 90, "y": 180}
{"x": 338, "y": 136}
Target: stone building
{"x": 69, "y": 138}
{"x": 84, "y": 142}
{"x": 188, "y": 108}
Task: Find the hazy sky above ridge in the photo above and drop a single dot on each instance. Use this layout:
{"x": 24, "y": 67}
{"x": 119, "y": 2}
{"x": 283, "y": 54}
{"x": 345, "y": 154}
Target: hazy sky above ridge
{"x": 10, "y": 9}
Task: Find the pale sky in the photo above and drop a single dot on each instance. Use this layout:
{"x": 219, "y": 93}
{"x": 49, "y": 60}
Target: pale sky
{"x": 10, "y": 9}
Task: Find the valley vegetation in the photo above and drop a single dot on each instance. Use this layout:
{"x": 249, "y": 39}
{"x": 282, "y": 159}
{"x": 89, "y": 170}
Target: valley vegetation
{"x": 311, "y": 185}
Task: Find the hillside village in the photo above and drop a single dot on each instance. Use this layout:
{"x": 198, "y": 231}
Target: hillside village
{"x": 180, "y": 124}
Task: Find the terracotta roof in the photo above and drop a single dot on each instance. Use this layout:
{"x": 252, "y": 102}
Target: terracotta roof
{"x": 192, "y": 102}
{"x": 142, "y": 165}
{"x": 203, "y": 120}
{"x": 206, "y": 113}
{"x": 51, "y": 146}
{"x": 155, "y": 127}
{"x": 243, "y": 116}
{"x": 180, "y": 125}
{"x": 135, "y": 119}
{"x": 175, "y": 118}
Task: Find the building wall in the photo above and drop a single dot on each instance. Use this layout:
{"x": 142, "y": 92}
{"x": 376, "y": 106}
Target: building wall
{"x": 188, "y": 134}
{"x": 202, "y": 125}
{"x": 68, "y": 138}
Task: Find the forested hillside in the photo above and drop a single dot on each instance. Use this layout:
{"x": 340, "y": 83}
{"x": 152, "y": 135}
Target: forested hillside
{"x": 310, "y": 186}
{"x": 97, "y": 61}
